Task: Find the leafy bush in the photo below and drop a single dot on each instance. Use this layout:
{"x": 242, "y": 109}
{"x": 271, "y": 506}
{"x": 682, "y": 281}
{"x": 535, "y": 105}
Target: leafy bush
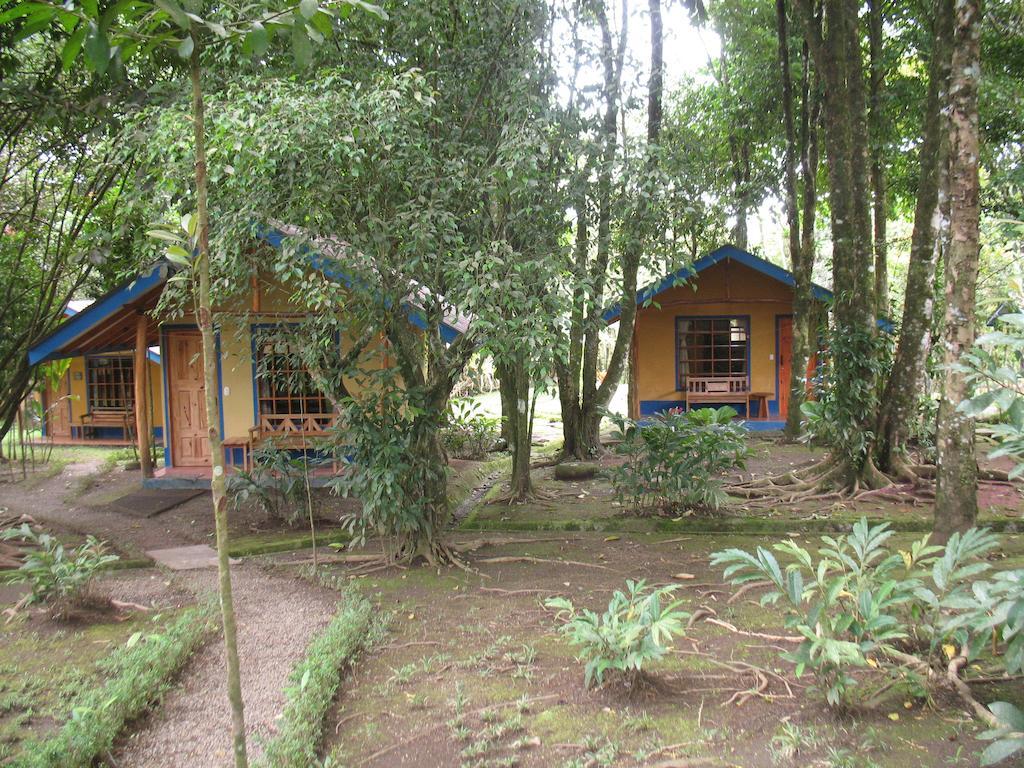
{"x": 60, "y": 577}
{"x": 313, "y": 684}
{"x": 277, "y": 483}
{"x": 676, "y": 459}
{"x": 1008, "y": 740}
{"x": 395, "y": 467}
{"x": 138, "y": 674}
{"x": 993, "y": 366}
{"x": 637, "y": 628}
{"x": 863, "y": 605}
{"x": 467, "y": 432}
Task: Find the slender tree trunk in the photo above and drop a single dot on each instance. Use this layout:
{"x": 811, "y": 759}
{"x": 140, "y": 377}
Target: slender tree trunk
{"x": 956, "y": 498}
{"x": 876, "y": 116}
{"x": 836, "y": 50}
{"x": 217, "y": 481}
{"x": 899, "y": 401}
{"x": 801, "y": 242}
{"x": 520, "y": 432}
{"x": 583, "y": 394}
{"x": 655, "y": 87}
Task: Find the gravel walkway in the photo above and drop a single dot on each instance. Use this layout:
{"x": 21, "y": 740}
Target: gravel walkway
{"x": 277, "y": 617}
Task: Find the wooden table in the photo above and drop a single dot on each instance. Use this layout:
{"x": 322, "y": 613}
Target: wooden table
{"x": 761, "y": 398}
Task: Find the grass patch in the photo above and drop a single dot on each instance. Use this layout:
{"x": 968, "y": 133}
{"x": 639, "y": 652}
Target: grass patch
{"x": 138, "y": 673}
{"x": 314, "y": 682}
{"x": 269, "y": 543}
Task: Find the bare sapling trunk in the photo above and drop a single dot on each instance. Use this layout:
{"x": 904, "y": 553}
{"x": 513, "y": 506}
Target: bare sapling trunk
{"x": 956, "y": 500}
{"x": 905, "y": 384}
{"x": 217, "y": 481}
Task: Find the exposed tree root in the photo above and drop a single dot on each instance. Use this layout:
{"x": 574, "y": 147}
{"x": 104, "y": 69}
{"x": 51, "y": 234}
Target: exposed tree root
{"x": 951, "y": 680}
{"x": 828, "y": 479}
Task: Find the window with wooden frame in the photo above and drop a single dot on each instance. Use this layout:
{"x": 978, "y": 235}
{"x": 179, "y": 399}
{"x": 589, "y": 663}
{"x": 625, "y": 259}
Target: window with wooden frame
{"x": 110, "y": 383}
{"x": 707, "y": 347}
{"x": 284, "y": 386}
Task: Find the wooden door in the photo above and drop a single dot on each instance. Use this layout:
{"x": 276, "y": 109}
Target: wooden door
{"x": 58, "y": 408}
{"x": 190, "y": 439}
{"x": 784, "y": 354}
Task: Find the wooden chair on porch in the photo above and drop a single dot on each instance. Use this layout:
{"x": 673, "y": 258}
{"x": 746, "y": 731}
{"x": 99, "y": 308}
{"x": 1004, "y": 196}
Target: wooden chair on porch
{"x": 717, "y": 390}
{"x": 119, "y": 418}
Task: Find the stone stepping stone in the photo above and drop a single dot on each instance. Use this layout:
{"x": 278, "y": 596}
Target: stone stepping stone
{"x": 185, "y": 558}
{"x": 576, "y": 470}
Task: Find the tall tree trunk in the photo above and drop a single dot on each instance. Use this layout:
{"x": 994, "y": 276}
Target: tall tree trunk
{"x": 956, "y": 497}
{"x": 217, "y": 481}
{"x": 876, "y": 114}
{"x": 520, "y": 432}
{"x": 836, "y": 49}
{"x": 585, "y": 397}
{"x": 899, "y": 401}
{"x": 801, "y": 241}
{"x": 655, "y": 86}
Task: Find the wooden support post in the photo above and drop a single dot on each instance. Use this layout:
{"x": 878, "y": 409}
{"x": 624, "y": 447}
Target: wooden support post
{"x": 142, "y": 395}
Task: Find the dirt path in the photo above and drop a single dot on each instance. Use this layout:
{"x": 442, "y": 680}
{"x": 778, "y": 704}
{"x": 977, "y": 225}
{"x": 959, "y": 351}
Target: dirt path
{"x": 76, "y": 499}
{"x": 277, "y": 617}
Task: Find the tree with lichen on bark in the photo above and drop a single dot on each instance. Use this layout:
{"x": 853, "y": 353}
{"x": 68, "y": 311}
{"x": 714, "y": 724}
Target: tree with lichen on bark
{"x": 956, "y": 500}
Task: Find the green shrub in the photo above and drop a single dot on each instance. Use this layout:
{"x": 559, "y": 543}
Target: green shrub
{"x": 314, "y": 682}
{"x": 138, "y": 673}
{"x": 637, "y": 628}
{"x": 861, "y": 604}
{"x": 59, "y": 577}
{"x": 1008, "y": 740}
{"x": 467, "y": 432}
{"x": 277, "y": 482}
{"x": 677, "y": 459}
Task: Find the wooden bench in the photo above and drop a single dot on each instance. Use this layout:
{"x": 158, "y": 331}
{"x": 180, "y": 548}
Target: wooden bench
{"x": 285, "y": 431}
{"x": 717, "y": 389}
{"x": 122, "y": 419}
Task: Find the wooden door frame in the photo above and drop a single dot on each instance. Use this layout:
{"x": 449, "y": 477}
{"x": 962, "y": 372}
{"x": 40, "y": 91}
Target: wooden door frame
{"x": 778, "y": 346}
{"x": 167, "y": 331}
{"x": 48, "y": 414}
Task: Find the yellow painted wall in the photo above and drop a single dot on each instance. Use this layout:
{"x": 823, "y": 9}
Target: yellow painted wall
{"x": 79, "y": 404}
{"x": 726, "y": 289}
{"x": 236, "y": 323}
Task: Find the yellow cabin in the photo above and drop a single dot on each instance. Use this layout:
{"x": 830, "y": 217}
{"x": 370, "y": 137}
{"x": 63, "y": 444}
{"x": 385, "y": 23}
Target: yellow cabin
{"x": 716, "y": 333}
{"x": 251, "y": 409}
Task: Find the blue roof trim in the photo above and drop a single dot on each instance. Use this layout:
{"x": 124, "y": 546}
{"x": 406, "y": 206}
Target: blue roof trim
{"x": 276, "y": 238}
{"x": 730, "y": 252}
{"x": 154, "y": 357}
{"x": 51, "y": 348}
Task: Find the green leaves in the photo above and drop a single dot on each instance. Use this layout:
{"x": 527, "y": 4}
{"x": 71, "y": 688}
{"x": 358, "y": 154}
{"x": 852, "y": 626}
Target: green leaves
{"x": 1007, "y": 740}
{"x": 97, "y": 49}
{"x": 635, "y": 629}
{"x": 676, "y": 460}
{"x": 185, "y": 47}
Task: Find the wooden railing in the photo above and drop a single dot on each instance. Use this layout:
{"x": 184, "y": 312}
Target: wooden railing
{"x": 294, "y": 424}
{"x": 717, "y": 389}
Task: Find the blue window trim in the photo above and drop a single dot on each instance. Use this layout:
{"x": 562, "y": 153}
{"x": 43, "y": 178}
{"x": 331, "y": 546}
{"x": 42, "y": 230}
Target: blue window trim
{"x": 165, "y": 331}
{"x": 253, "y": 327}
{"x": 745, "y": 318}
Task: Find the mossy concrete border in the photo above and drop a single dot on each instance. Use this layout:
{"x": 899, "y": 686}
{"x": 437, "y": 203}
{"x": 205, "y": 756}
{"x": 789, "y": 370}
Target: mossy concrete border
{"x": 711, "y": 525}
